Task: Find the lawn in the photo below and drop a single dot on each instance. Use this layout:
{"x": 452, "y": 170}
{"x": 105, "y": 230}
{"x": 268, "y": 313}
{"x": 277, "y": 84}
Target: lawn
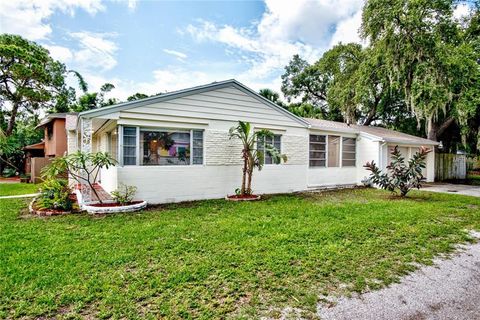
{"x": 217, "y": 259}
{"x": 473, "y": 179}
{"x": 12, "y": 189}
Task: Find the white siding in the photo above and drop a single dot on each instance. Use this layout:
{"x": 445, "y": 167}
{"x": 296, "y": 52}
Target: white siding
{"x": 226, "y": 104}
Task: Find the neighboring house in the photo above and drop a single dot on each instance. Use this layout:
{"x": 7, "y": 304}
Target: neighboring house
{"x": 54, "y": 144}
{"x": 176, "y": 147}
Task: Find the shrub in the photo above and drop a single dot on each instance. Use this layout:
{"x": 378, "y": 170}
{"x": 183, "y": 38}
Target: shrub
{"x": 400, "y": 175}
{"x": 83, "y": 167}
{"x": 55, "y": 194}
{"x": 9, "y": 172}
{"x": 124, "y": 194}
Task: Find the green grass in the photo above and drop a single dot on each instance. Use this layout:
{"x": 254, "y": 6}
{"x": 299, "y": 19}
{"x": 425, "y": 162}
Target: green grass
{"x": 217, "y": 259}
{"x": 12, "y": 189}
{"x": 473, "y": 179}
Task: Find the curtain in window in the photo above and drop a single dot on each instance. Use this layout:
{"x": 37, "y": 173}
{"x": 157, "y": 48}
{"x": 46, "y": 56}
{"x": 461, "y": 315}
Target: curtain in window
{"x": 333, "y": 151}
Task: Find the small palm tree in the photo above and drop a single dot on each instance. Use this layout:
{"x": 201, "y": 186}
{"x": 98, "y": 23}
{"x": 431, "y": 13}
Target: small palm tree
{"x": 252, "y": 157}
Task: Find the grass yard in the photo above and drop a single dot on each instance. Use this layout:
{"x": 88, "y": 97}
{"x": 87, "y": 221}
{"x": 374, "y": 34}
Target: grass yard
{"x": 473, "y": 179}
{"x": 13, "y": 189}
{"x": 217, "y": 259}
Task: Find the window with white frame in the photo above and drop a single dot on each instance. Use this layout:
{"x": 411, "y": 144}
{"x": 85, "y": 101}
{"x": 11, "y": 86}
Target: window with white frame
{"x": 333, "y": 158}
{"x": 163, "y": 147}
{"x": 318, "y": 149}
{"x": 348, "y": 152}
{"x": 129, "y": 146}
{"x": 331, "y": 150}
{"x": 273, "y": 141}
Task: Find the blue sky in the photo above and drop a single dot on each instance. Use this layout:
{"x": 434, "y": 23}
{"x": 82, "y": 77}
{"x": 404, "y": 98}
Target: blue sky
{"x": 157, "y": 46}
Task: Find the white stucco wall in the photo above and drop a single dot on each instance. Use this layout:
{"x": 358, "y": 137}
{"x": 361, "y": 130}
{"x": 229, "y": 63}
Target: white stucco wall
{"x": 368, "y": 150}
{"x": 408, "y": 151}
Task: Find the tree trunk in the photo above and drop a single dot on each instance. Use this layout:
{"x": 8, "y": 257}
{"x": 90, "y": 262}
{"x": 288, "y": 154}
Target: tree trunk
{"x": 11, "y": 122}
{"x": 432, "y": 128}
{"x": 435, "y": 130}
{"x": 249, "y": 184}
{"x": 244, "y": 175}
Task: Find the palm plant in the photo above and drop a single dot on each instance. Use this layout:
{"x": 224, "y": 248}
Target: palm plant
{"x": 252, "y": 157}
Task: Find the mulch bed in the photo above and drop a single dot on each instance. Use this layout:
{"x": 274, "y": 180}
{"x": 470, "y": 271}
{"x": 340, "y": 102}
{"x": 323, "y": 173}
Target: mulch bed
{"x": 246, "y": 197}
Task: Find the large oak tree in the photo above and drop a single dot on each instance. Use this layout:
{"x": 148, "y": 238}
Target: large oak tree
{"x": 29, "y": 80}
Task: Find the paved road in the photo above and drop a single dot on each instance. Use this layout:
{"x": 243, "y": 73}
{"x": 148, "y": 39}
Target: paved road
{"x": 450, "y": 289}
{"x": 453, "y": 189}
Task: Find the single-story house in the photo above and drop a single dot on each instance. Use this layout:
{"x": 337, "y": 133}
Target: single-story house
{"x": 176, "y": 147}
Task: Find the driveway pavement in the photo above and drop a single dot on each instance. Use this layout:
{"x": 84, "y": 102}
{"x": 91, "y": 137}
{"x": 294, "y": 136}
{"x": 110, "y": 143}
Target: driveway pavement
{"x": 449, "y": 289}
{"x": 464, "y": 189}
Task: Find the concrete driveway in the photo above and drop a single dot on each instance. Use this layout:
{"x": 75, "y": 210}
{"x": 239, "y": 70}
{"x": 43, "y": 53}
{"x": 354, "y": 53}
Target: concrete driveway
{"x": 448, "y": 289}
{"x": 464, "y": 189}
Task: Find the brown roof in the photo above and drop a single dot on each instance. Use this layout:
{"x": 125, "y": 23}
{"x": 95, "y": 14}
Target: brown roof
{"x": 35, "y": 146}
{"x": 384, "y": 134}
{"x": 50, "y": 117}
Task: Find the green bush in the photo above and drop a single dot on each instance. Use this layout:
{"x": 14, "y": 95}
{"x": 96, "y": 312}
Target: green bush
{"x": 400, "y": 174}
{"x": 124, "y": 194}
{"x": 55, "y": 194}
{"x": 9, "y": 172}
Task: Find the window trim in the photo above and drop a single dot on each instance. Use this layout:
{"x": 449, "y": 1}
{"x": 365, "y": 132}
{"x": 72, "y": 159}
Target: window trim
{"x": 326, "y": 135}
{"x": 159, "y": 129}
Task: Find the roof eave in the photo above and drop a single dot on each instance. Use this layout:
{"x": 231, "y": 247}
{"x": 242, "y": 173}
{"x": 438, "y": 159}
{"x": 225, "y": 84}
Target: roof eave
{"x": 419, "y": 142}
{"x": 190, "y": 91}
{"x": 312, "y": 127}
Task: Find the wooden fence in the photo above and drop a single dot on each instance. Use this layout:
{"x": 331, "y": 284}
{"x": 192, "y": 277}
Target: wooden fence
{"x": 450, "y": 166}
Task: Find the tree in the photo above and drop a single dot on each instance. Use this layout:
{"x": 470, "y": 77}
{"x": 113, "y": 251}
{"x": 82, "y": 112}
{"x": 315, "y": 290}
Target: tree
{"x": 95, "y": 100}
{"x": 252, "y": 157}
{"x": 400, "y": 175}
{"x": 29, "y": 80}
{"x": 83, "y": 167}
{"x": 428, "y": 58}
{"x": 137, "y": 96}
{"x": 271, "y": 95}
{"x": 347, "y": 83}
{"x": 11, "y": 147}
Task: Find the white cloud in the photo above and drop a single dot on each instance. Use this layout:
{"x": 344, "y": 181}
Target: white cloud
{"x": 348, "y": 30}
{"x": 30, "y": 19}
{"x": 60, "y": 53}
{"x": 461, "y": 11}
{"x": 178, "y": 54}
{"x": 132, "y": 4}
{"x": 286, "y": 28}
{"x": 97, "y": 50}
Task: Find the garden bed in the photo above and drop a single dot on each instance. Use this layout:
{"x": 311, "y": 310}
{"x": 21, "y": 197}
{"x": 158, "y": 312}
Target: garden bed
{"x": 34, "y": 209}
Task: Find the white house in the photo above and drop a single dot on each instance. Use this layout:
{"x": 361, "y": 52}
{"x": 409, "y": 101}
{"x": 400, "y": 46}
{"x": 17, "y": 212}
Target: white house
{"x": 175, "y": 146}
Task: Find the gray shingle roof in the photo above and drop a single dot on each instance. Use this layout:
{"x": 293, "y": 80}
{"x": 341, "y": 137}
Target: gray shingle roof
{"x": 394, "y": 136}
{"x": 331, "y": 125}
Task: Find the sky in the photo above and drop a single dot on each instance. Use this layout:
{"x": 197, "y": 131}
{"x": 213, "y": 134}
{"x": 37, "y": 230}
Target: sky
{"x": 158, "y": 46}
